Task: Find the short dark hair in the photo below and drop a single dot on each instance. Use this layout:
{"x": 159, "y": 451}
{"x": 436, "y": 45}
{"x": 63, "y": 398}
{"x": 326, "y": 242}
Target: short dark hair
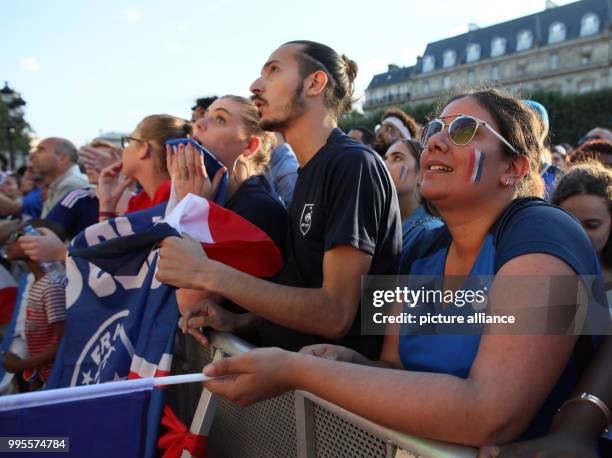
{"x": 368, "y": 135}
{"x": 66, "y": 147}
{"x": 341, "y": 72}
{"x": 406, "y": 119}
{"x": 204, "y": 102}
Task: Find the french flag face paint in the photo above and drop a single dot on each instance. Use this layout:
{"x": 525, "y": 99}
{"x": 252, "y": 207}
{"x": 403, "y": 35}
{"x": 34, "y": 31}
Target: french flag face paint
{"x": 475, "y": 165}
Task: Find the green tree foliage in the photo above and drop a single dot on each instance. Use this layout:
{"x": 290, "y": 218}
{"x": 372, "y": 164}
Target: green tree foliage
{"x": 21, "y": 141}
{"x": 571, "y": 115}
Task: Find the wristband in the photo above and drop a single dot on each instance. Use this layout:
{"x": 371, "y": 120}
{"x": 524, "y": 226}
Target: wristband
{"x": 107, "y": 214}
{"x": 587, "y": 397}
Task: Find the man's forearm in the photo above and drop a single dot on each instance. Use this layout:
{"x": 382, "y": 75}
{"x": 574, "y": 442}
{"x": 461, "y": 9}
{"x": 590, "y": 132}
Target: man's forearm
{"x": 309, "y": 310}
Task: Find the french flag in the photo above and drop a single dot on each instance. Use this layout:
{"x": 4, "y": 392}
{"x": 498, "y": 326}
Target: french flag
{"x": 476, "y": 162}
{"x": 121, "y": 320}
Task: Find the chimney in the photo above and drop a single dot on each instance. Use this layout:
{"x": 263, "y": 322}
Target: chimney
{"x": 392, "y": 68}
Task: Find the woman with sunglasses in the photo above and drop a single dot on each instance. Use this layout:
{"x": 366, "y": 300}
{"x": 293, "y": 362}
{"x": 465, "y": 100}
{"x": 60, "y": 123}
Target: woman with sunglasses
{"x": 480, "y": 170}
{"x": 143, "y": 161}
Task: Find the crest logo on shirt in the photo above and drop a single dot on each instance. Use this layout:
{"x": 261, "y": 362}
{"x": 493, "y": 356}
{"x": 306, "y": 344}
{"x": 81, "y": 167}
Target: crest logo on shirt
{"x": 306, "y": 219}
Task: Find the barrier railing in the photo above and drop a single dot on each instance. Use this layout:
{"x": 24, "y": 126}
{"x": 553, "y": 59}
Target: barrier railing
{"x": 295, "y": 424}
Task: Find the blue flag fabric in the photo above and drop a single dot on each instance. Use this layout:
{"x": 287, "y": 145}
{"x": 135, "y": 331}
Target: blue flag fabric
{"x": 211, "y": 163}
{"x": 120, "y": 321}
{"x": 117, "y": 326}
{"x": 108, "y": 419}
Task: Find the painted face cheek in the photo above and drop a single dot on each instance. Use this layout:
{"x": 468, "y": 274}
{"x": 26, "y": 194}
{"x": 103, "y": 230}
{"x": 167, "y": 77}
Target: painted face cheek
{"x": 475, "y": 165}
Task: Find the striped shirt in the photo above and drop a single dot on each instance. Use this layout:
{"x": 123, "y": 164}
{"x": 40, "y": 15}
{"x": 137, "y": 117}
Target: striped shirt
{"x": 46, "y": 305}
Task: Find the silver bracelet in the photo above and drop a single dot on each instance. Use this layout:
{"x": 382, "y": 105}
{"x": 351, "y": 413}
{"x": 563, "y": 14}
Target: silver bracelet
{"x": 593, "y": 400}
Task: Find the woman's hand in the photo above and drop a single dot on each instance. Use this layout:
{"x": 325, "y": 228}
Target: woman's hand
{"x": 332, "y": 352}
{"x": 96, "y": 158}
{"x": 44, "y": 247}
{"x": 188, "y": 172}
{"x": 111, "y": 186}
{"x": 254, "y": 376}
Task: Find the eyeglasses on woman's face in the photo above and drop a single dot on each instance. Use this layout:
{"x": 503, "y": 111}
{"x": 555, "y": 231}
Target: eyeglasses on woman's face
{"x": 461, "y": 130}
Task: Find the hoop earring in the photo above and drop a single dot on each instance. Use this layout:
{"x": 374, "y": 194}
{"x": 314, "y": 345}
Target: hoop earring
{"x": 246, "y": 163}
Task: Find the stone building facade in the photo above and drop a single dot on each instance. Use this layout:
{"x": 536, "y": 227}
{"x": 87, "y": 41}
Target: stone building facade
{"x": 566, "y": 49}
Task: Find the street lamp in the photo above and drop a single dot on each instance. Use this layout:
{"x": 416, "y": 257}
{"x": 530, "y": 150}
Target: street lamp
{"x": 15, "y": 105}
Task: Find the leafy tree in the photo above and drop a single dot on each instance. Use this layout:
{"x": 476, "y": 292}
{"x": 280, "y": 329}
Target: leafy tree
{"x": 21, "y": 141}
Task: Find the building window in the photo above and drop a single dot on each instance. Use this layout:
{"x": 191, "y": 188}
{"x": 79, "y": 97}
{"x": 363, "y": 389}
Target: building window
{"x": 495, "y": 73}
{"x": 473, "y": 52}
{"x": 429, "y": 62}
{"x": 446, "y": 82}
{"x": 449, "y": 59}
{"x": 471, "y": 78}
{"x": 585, "y": 86}
{"x": 589, "y": 25}
{"x": 426, "y": 87}
{"x": 585, "y": 56}
{"x": 498, "y": 47}
{"x": 553, "y": 61}
{"x": 556, "y": 32}
{"x": 524, "y": 40}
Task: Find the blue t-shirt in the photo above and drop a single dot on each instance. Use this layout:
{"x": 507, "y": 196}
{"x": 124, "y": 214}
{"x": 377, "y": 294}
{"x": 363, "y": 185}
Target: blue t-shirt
{"x": 76, "y": 211}
{"x": 31, "y": 204}
{"x": 528, "y": 225}
{"x": 420, "y": 220}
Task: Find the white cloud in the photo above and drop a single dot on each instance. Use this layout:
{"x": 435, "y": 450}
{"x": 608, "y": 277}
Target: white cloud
{"x": 30, "y": 64}
{"x": 130, "y": 15}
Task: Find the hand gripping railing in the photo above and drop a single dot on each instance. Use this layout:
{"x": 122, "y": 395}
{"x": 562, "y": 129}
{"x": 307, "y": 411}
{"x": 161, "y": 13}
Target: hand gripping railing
{"x": 320, "y": 427}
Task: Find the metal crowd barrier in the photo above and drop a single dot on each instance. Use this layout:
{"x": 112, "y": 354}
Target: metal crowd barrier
{"x": 296, "y": 424}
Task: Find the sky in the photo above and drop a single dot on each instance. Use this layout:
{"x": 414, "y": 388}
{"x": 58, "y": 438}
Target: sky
{"x": 90, "y": 67}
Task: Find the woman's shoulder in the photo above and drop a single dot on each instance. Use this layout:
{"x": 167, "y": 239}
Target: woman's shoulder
{"x": 532, "y": 225}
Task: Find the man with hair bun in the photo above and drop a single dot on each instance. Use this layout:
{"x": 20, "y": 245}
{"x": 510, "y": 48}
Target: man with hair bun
{"x": 344, "y": 218}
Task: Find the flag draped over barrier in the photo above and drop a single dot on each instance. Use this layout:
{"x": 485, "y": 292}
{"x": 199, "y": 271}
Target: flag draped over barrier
{"x": 120, "y": 320}
{"x": 107, "y": 419}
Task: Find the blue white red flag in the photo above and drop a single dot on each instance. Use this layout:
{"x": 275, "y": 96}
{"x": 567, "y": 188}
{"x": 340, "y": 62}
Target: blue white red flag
{"x": 120, "y": 320}
{"x": 107, "y": 419}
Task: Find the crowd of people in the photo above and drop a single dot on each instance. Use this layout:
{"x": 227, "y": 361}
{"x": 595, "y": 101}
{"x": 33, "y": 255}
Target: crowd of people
{"x": 475, "y": 191}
